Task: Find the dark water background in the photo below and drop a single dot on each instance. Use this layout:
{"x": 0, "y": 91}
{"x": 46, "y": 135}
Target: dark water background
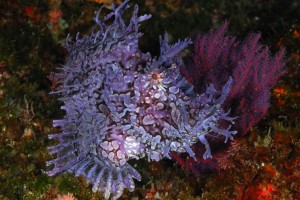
{"x": 265, "y": 164}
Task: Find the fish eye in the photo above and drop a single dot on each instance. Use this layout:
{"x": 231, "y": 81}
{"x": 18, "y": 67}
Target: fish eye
{"x": 156, "y": 76}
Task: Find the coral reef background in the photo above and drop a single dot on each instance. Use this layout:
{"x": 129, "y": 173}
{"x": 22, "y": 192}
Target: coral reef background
{"x": 264, "y": 164}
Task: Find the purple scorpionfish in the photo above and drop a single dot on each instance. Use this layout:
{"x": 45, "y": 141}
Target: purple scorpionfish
{"x": 123, "y": 104}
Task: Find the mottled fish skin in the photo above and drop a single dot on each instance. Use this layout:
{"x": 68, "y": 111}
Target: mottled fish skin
{"x": 123, "y": 104}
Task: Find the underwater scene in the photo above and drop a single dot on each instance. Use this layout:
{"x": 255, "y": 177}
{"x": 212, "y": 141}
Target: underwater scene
{"x": 133, "y": 100}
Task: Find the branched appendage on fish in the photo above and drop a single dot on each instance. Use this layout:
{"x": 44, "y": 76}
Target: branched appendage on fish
{"x": 123, "y": 104}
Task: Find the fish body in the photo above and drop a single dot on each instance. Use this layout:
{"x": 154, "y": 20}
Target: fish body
{"x": 123, "y": 104}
